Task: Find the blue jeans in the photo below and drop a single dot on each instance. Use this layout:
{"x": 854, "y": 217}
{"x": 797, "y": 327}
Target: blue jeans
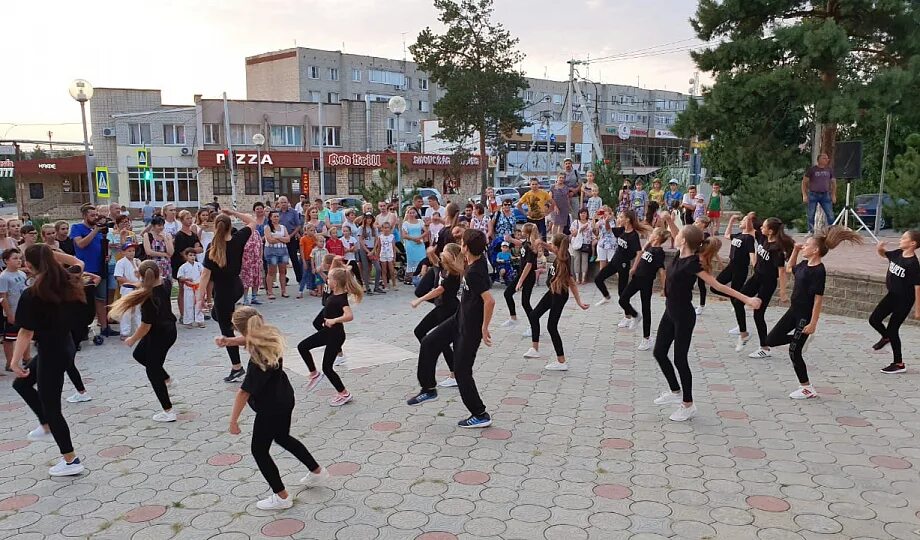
{"x": 307, "y": 280}
{"x": 824, "y": 199}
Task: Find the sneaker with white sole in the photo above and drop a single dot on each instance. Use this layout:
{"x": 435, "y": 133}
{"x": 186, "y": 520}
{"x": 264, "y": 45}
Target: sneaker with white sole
{"x": 760, "y": 353}
{"x": 67, "y": 469}
{"x": 164, "y": 416}
{"x": 532, "y": 353}
{"x": 602, "y": 301}
{"x": 891, "y": 369}
{"x": 40, "y": 435}
{"x": 804, "y": 392}
{"x": 275, "y": 502}
{"x": 634, "y": 322}
{"x": 509, "y": 323}
{"x": 339, "y": 360}
{"x": 315, "y": 479}
{"x": 557, "y": 366}
{"x": 338, "y": 400}
{"x": 736, "y": 331}
{"x": 669, "y": 398}
{"x": 526, "y": 331}
{"x": 741, "y": 343}
{"x": 699, "y": 311}
{"x": 682, "y": 414}
{"x": 77, "y": 397}
{"x": 645, "y": 344}
{"x": 624, "y": 323}
{"x": 449, "y": 382}
{"x": 314, "y": 380}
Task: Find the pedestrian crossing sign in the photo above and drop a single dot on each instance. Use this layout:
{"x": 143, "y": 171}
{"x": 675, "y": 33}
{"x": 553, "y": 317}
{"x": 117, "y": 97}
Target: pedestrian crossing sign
{"x": 143, "y": 157}
{"x": 102, "y": 182}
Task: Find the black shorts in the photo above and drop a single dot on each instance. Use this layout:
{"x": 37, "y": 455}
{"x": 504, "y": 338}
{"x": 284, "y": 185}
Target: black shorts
{"x": 10, "y": 331}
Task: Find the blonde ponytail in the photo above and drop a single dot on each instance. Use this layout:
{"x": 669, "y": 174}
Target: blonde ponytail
{"x": 343, "y": 278}
{"x": 264, "y": 342}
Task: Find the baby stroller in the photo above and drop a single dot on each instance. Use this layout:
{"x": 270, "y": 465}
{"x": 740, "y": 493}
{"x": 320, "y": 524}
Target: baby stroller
{"x": 494, "y": 249}
{"x": 399, "y": 262}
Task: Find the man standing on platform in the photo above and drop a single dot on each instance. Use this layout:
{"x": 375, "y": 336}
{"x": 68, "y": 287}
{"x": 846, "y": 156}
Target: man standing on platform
{"x": 573, "y": 182}
{"x": 819, "y": 186}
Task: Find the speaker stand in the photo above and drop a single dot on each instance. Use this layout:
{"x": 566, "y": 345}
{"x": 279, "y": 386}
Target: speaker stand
{"x": 848, "y": 211}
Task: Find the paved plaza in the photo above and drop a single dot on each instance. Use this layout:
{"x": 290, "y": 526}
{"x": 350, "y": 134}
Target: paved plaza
{"x": 582, "y": 454}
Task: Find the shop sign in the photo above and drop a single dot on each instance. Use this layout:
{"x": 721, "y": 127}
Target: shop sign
{"x": 51, "y": 166}
{"x": 65, "y": 185}
{"x": 6, "y": 168}
{"x": 246, "y": 158}
{"x": 664, "y": 134}
{"x": 305, "y": 182}
{"x": 354, "y": 160}
{"x": 441, "y": 160}
{"x": 7, "y": 149}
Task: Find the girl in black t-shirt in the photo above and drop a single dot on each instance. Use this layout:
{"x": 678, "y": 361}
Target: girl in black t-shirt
{"x": 269, "y": 393}
{"x": 702, "y": 223}
{"x": 446, "y": 301}
{"x": 531, "y": 246}
{"x": 740, "y": 259}
{"x": 693, "y": 261}
{"x": 559, "y": 282}
{"x": 628, "y": 248}
{"x": 155, "y": 335}
{"x": 642, "y": 279}
{"x": 772, "y": 247}
{"x": 903, "y": 283}
{"x": 330, "y": 332}
{"x": 801, "y": 319}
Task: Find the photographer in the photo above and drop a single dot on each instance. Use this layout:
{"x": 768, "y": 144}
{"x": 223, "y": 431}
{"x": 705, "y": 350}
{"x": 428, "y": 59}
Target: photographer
{"x": 90, "y": 246}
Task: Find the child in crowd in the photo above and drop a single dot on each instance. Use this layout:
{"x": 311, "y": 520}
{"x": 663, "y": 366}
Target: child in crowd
{"x": 714, "y": 208}
{"x": 317, "y": 259}
{"x": 350, "y": 242}
{"x": 307, "y": 243}
{"x": 12, "y": 283}
{"x": 128, "y": 278}
{"x": 190, "y": 276}
{"x": 640, "y": 200}
{"x": 624, "y": 199}
{"x": 388, "y": 255}
{"x": 594, "y": 201}
{"x": 269, "y": 393}
{"x": 334, "y": 243}
{"x": 699, "y": 210}
{"x": 434, "y": 228}
{"x": 503, "y": 263}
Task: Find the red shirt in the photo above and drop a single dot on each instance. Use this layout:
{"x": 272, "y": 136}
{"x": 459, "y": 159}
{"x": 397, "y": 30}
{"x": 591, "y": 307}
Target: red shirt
{"x": 335, "y": 246}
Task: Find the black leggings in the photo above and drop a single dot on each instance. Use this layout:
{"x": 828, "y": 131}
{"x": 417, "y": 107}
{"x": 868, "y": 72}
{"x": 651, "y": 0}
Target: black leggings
{"x": 151, "y": 353}
{"x": 763, "y": 289}
{"x": 526, "y": 292}
{"x": 734, "y": 278}
{"x": 554, "y": 303}
{"x": 702, "y": 287}
{"x": 676, "y": 329}
{"x": 48, "y": 373}
{"x": 429, "y": 322}
{"x": 642, "y": 285}
{"x": 899, "y": 309}
{"x": 333, "y": 339}
{"x": 788, "y": 331}
{"x": 276, "y": 427}
{"x": 225, "y": 299}
{"x": 621, "y": 269}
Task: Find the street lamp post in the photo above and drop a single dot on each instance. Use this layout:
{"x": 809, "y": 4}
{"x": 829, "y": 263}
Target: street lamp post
{"x": 82, "y": 91}
{"x": 397, "y": 106}
{"x": 258, "y": 139}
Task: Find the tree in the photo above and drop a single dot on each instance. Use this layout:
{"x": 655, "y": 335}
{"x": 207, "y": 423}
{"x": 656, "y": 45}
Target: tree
{"x": 38, "y": 153}
{"x": 902, "y": 184}
{"x": 608, "y": 179}
{"x": 473, "y": 60}
{"x": 384, "y": 186}
{"x": 782, "y": 64}
{"x": 773, "y": 192}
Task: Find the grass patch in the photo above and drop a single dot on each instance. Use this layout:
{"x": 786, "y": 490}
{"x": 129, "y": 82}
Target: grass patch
{"x": 178, "y": 504}
{"x": 176, "y": 527}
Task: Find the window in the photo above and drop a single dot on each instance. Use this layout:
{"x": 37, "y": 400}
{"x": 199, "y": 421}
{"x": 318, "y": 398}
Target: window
{"x": 314, "y": 96}
{"x": 138, "y": 133}
{"x": 332, "y": 97}
{"x": 212, "y": 133}
{"x": 423, "y": 106}
{"x": 312, "y": 72}
{"x": 221, "y": 179}
{"x": 557, "y": 99}
{"x": 332, "y": 138}
{"x": 355, "y": 181}
{"x": 356, "y": 75}
{"x": 333, "y": 74}
{"x": 528, "y": 96}
{"x": 173, "y": 134}
{"x": 329, "y": 182}
{"x": 391, "y": 131}
{"x": 170, "y": 184}
{"x": 423, "y": 84}
{"x": 251, "y": 181}
{"x": 357, "y": 97}
{"x": 36, "y": 190}
{"x": 241, "y": 134}
{"x": 286, "y": 136}
{"x": 386, "y": 77}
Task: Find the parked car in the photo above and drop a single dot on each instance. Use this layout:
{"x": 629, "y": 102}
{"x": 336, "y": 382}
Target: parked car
{"x": 347, "y": 202}
{"x": 2, "y": 202}
{"x": 424, "y": 193}
{"x": 501, "y": 194}
{"x": 867, "y": 208}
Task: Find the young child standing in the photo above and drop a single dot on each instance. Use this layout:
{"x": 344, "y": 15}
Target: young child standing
{"x": 128, "y": 278}
{"x": 155, "y": 335}
{"x": 190, "y": 275}
{"x": 330, "y": 332}
{"x": 317, "y": 256}
{"x": 12, "y": 283}
{"x": 307, "y": 243}
{"x": 334, "y": 243}
{"x": 269, "y": 393}
{"x": 594, "y": 202}
{"x": 714, "y": 208}
{"x": 640, "y": 200}
{"x": 388, "y": 255}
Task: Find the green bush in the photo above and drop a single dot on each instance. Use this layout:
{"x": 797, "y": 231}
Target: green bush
{"x": 773, "y": 194}
{"x": 903, "y": 182}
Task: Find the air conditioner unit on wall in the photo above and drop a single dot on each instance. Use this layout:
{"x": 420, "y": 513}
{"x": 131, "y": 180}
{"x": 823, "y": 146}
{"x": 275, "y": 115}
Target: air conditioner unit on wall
{"x": 186, "y": 151}
{"x": 108, "y": 132}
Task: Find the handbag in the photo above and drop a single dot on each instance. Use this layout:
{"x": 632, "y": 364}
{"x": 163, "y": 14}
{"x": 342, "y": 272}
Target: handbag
{"x": 577, "y": 242}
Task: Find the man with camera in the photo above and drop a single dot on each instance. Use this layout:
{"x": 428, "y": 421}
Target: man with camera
{"x": 91, "y": 246}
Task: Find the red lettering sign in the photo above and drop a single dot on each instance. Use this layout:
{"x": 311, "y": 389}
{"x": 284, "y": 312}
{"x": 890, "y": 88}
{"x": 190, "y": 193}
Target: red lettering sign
{"x": 305, "y": 183}
{"x": 354, "y": 159}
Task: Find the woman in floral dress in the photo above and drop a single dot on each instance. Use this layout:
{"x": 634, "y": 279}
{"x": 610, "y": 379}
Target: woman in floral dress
{"x": 253, "y": 266}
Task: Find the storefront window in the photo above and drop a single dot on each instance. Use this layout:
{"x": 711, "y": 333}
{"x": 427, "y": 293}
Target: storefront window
{"x": 252, "y": 184}
{"x": 221, "y": 181}
{"x": 355, "y": 181}
{"x": 36, "y": 190}
{"x": 169, "y": 184}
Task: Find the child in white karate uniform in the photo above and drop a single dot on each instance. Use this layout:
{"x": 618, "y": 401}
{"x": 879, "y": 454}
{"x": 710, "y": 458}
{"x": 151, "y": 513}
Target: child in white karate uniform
{"x": 128, "y": 279}
{"x": 190, "y": 276}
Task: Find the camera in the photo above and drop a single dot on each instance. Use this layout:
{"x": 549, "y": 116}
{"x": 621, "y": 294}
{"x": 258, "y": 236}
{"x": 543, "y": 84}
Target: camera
{"x": 105, "y": 223}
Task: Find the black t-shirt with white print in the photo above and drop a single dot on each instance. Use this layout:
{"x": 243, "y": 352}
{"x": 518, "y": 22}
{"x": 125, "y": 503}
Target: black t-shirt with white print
{"x": 809, "y": 283}
{"x": 903, "y": 275}
{"x": 770, "y": 258}
{"x": 739, "y": 258}
{"x": 678, "y": 287}
{"x": 628, "y": 245}
{"x": 470, "y": 315}
{"x": 651, "y": 260}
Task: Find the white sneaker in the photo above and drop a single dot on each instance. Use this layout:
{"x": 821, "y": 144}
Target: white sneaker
{"x": 339, "y": 360}
{"x": 509, "y": 323}
{"x": 315, "y": 479}
{"x": 736, "y": 331}
{"x": 164, "y": 416}
{"x": 741, "y": 343}
{"x": 634, "y": 322}
{"x": 683, "y": 414}
{"x": 804, "y": 392}
{"x": 624, "y": 323}
{"x": 274, "y": 502}
{"x": 602, "y": 301}
{"x": 760, "y": 353}
{"x": 526, "y": 331}
{"x": 40, "y": 435}
{"x": 699, "y": 311}
{"x": 449, "y": 382}
{"x": 532, "y": 353}
{"x": 77, "y": 397}
{"x": 645, "y": 344}
{"x": 67, "y": 469}
{"x": 557, "y": 366}
{"x": 669, "y": 398}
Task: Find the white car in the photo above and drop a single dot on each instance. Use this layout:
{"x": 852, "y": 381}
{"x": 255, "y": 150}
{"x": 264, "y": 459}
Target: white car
{"x": 501, "y": 194}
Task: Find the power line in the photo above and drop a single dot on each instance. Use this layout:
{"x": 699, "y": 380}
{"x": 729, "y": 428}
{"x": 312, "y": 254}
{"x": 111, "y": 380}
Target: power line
{"x": 654, "y": 53}
{"x": 602, "y": 58}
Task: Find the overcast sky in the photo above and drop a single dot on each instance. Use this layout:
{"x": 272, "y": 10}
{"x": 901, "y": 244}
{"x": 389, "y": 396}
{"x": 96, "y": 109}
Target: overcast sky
{"x": 186, "y": 47}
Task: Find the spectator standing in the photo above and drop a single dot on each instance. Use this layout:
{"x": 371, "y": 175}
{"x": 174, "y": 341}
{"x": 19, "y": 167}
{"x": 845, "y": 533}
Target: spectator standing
{"x": 536, "y": 200}
{"x": 147, "y": 213}
{"x": 573, "y": 183}
{"x": 672, "y": 194}
{"x": 293, "y": 222}
{"x": 819, "y": 187}
{"x": 640, "y": 199}
{"x": 88, "y": 240}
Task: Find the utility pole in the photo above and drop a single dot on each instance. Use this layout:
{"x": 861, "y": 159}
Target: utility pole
{"x": 570, "y": 109}
{"x": 230, "y": 158}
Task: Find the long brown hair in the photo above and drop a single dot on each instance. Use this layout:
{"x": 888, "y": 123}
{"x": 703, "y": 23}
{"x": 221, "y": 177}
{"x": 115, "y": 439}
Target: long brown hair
{"x": 531, "y": 234}
{"x": 150, "y": 275}
{"x": 53, "y": 283}
{"x": 834, "y": 236}
{"x": 264, "y": 342}
{"x": 453, "y": 262}
{"x": 217, "y": 252}
{"x": 640, "y": 227}
{"x": 779, "y": 231}
{"x": 450, "y": 216}
{"x": 342, "y": 277}
{"x": 563, "y": 265}
{"x": 707, "y": 249}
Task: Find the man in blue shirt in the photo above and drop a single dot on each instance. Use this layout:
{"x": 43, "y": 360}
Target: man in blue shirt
{"x": 90, "y": 247}
{"x": 293, "y": 222}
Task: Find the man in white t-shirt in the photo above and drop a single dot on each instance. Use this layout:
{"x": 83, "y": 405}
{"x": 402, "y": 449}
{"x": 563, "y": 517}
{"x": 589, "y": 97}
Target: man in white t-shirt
{"x": 302, "y": 206}
{"x": 434, "y": 206}
{"x": 128, "y": 279}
